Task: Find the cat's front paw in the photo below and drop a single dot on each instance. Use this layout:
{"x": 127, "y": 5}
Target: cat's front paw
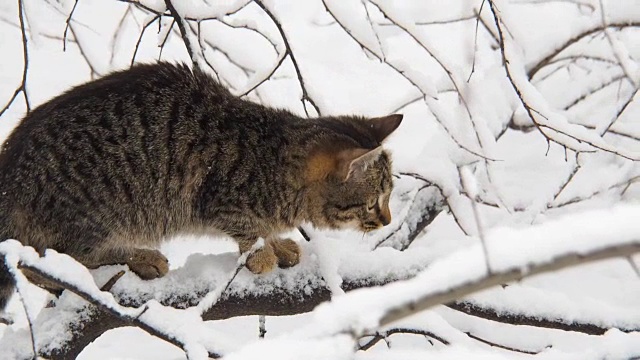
{"x": 148, "y": 264}
{"x": 287, "y": 251}
{"x": 262, "y": 261}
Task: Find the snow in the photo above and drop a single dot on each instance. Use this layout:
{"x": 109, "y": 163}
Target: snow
{"x": 531, "y": 206}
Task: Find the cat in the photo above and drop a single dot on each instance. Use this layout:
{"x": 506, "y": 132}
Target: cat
{"x": 108, "y": 169}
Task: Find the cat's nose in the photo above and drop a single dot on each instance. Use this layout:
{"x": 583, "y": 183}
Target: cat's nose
{"x": 385, "y": 216}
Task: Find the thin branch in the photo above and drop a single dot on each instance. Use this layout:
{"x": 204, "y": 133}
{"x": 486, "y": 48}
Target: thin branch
{"x": 492, "y": 344}
{"x": 144, "y": 29}
{"x": 66, "y": 28}
{"x": 25, "y": 56}
{"x": 183, "y": 31}
{"x": 617, "y": 51}
{"x": 164, "y": 41}
{"x": 16, "y": 274}
{"x": 382, "y": 335}
{"x": 112, "y": 281}
{"x": 289, "y": 51}
{"x": 475, "y": 41}
{"x": 546, "y": 60}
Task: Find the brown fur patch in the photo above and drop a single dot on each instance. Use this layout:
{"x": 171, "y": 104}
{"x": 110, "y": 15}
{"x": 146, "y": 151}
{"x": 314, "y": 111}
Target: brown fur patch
{"x": 319, "y": 166}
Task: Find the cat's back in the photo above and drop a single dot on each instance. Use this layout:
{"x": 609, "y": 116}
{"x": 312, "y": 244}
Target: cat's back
{"x": 103, "y": 151}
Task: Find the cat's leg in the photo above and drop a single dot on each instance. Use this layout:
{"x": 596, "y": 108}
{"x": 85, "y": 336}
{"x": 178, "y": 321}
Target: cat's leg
{"x": 146, "y": 263}
{"x": 260, "y": 261}
{"x": 287, "y": 251}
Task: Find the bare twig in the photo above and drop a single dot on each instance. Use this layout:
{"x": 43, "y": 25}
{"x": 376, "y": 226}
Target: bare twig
{"x": 492, "y": 344}
{"x": 381, "y": 335}
{"x": 546, "y": 60}
{"x": 166, "y": 37}
{"x": 25, "y": 56}
{"x": 289, "y": 51}
{"x": 66, "y": 28}
{"x": 183, "y": 31}
{"x": 112, "y": 281}
{"x": 475, "y": 41}
{"x": 144, "y": 29}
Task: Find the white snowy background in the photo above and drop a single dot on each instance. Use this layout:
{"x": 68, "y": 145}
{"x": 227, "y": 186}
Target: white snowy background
{"x": 523, "y": 177}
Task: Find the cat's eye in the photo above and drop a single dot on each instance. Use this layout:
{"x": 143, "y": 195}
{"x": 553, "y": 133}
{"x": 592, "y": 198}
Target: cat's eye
{"x": 371, "y": 204}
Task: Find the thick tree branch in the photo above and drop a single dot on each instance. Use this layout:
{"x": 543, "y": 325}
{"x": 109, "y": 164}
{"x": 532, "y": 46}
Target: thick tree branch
{"x": 497, "y": 278}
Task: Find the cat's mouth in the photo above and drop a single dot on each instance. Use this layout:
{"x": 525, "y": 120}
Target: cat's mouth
{"x": 371, "y": 226}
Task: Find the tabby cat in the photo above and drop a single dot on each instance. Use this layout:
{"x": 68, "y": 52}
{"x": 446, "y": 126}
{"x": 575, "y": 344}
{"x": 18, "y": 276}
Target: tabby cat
{"x": 107, "y": 170}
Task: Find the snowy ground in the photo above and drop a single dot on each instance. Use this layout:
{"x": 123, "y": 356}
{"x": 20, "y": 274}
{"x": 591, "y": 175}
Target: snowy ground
{"x": 527, "y": 185}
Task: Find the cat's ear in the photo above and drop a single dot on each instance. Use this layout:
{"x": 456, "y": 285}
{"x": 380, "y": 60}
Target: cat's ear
{"x": 384, "y": 126}
{"x": 354, "y": 162}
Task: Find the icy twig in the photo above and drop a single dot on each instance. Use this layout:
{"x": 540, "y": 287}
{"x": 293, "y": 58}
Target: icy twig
{"x": 410, "y": 30}
{"x": 112, "y": 281}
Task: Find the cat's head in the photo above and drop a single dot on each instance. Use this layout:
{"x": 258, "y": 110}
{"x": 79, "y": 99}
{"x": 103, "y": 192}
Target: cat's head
{"x": 353, "y": 181}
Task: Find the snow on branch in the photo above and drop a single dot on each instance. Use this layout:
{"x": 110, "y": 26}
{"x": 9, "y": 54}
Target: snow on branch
{"x": 551, "y": 124}
{"x": 513, "y": 253}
